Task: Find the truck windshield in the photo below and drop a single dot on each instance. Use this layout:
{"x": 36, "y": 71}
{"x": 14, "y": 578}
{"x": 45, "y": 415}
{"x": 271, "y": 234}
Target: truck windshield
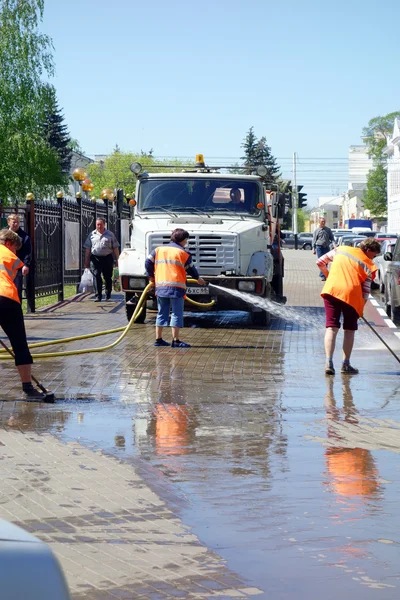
{"x": 200, "y": 195}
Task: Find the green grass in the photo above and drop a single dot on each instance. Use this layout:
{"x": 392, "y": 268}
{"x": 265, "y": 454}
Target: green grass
{"x": 69, "y": 290}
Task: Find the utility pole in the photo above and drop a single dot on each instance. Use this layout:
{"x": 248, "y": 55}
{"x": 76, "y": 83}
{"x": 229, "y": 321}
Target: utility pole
{"x": 294, "y": 202}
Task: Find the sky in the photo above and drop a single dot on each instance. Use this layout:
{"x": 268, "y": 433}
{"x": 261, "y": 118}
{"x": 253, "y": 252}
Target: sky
{"x": 183, "y": 77}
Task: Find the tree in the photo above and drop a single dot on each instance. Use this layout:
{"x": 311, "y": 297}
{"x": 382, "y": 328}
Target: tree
{"x": 257, "y": 152}
{"x": 75, "y": 146}
{"x": 114, "y": 172}
{"x": 27, "y": 162}
{"x": 250, "y": 148}
{"x": 375, "y": 196}
{"x": 56, "y": 132}
{"x": 375, "y": 133}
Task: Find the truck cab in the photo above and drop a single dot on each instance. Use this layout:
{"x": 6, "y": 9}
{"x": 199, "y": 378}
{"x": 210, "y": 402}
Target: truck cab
{"x": 230, "y": 238}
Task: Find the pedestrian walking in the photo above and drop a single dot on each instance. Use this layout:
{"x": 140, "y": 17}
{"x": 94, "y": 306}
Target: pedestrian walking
{"x": 346, "y": 291}
{"x": 322, "y": 239}
{"x": 11, "y": 317}
{"x": 24, "y": 253}
{"x": 102, "y": 249}
{"x": 168, "y": 267}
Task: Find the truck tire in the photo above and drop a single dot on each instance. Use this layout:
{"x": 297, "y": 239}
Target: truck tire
{"x": 130, "y": 309}
{"x": 261, "y": 318}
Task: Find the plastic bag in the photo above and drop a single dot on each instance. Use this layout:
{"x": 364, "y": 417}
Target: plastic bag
{"x": 116, "y": 280}
{"x": 86, "y": 285}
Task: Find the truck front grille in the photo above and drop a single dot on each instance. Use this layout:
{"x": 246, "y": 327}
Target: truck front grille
{"x": 211, "y": 253}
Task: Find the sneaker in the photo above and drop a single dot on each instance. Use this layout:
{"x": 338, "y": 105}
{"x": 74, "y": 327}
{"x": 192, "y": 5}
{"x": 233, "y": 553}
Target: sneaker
{"x": 161, "y": 342}
{"x": 179, "y": 344}
{"x": 33, "y": 395}
{"x": 97, "y": 299}
{"x": 329, "y": 370}
{"x": 346, "y": 368}
{"x": 323, "y": 278}
{"x": 108, "y": 296}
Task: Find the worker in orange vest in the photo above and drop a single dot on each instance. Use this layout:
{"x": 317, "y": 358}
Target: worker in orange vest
{"x": 347, "y": 287}
{"x": 168, "y": 267}
{"x": 11, "y": 317}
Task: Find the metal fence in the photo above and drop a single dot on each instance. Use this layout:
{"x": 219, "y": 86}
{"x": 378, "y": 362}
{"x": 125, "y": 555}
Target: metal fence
{"x": 58, "y": 231}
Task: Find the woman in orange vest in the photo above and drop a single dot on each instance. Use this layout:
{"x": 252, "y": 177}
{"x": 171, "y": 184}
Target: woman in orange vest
{"x": 168, "y": 267}
{"x": 347, "y": 287}
{"x": 11, "y": 317}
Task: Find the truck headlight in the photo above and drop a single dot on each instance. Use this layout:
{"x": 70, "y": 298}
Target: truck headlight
{"x": 137, "y": 283}
{"x": 246, "y": 286}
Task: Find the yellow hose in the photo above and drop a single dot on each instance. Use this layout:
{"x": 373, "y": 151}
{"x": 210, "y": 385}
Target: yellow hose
{"x": 137, "y": 312}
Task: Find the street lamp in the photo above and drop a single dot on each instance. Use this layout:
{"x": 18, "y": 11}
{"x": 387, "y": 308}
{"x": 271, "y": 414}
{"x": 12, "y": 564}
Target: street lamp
{"x": 107, "y": 194}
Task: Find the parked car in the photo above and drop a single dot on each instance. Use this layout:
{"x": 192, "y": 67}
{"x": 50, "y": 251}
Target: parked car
{"x": 392, "y": 283}
{"x": 304, "y": 240}
{"x": 348, "y": 240}
{"x": 379, "y": 281}
{"x": 357, "y": 241}
{"x": 385, "y": 235}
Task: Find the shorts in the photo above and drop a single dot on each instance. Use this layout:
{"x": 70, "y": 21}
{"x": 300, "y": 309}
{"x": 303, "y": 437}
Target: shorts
{"x": 164, "y": 306}
{"x": 334, "y": 308}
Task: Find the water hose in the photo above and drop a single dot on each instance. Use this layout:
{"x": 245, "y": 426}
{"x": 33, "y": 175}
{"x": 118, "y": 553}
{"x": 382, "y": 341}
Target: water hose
{"x": 381, "y": 339}
{"x": 137, "y": 312}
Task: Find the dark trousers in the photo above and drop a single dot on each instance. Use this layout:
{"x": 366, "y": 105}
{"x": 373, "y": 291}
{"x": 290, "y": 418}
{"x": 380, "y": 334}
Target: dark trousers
{"x": 102, "y": 265}
{"x": 18, "y": 283}
{"x": 12, "y": 323}
{"x": 321, "y": 250}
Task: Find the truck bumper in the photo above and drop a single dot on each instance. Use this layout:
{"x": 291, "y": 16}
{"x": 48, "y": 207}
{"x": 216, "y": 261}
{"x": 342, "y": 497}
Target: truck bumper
{"x": 255, "y": 286}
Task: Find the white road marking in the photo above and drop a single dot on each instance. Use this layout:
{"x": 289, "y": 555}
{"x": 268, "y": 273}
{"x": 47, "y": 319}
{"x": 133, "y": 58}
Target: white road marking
{"x": 382, "y": 312}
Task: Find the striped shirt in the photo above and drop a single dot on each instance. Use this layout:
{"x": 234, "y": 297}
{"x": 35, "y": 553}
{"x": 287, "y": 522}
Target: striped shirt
{"x": 322, "y": 264}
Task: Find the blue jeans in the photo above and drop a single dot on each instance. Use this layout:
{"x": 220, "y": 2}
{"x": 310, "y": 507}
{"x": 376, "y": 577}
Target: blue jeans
{"x": 321, "y": 250}
{"x": 164, "y": 305}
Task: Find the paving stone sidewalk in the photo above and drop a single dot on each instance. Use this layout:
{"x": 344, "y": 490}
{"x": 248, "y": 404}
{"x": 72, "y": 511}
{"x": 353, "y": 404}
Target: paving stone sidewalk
{"x": 117, "y": 534}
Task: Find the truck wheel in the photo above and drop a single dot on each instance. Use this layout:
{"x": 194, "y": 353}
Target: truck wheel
{"x": 261, "y": 318}
{"x": 130, "y": 309}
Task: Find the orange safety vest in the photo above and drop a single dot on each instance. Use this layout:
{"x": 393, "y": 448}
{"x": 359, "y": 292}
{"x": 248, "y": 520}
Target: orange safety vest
{"x": 9, "y": 265}
{"x": 349, "y": 269}
{"x": 169, "y": 267}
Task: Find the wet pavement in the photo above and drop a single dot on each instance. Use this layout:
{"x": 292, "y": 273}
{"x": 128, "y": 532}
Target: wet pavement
{"x": 231, "y": 470}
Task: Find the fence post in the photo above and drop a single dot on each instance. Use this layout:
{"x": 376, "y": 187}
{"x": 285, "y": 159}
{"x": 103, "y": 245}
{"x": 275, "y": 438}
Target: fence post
{"x": 60, "y": 202}
{"x": 30, "y": 283}
{"x": 81, "y": 241}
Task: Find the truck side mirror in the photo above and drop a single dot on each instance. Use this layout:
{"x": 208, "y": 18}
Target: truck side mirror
{"x": 387, "y": 256}
{"x": 278, "y": 205}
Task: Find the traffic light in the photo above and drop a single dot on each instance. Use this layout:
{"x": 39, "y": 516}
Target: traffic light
{"x": 301, "y": 198}
{"x": 288, "y": 196}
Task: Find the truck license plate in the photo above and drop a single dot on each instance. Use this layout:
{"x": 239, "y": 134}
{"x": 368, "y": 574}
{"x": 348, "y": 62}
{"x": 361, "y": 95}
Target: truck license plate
{"x": 191, "y": 291}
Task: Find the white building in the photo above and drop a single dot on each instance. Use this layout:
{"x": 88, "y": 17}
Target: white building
{"x": 359, "y": 166}
{"x": 393, "y": 178}
{"x": 329, "y": 207}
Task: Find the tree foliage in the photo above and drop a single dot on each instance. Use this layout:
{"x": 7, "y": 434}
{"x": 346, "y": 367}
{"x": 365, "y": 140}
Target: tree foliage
{"x": 56, "y": 132}
{"x": 114, "y": 172}
{"x": 375, "y": 133}
{"x": 27, "y": 162}
{"x": 375, "y": 195}
{"x": 257, "y": 152}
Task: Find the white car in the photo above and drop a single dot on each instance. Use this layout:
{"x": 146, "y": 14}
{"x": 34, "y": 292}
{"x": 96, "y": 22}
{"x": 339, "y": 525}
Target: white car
{"x": 379, "y": 281}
